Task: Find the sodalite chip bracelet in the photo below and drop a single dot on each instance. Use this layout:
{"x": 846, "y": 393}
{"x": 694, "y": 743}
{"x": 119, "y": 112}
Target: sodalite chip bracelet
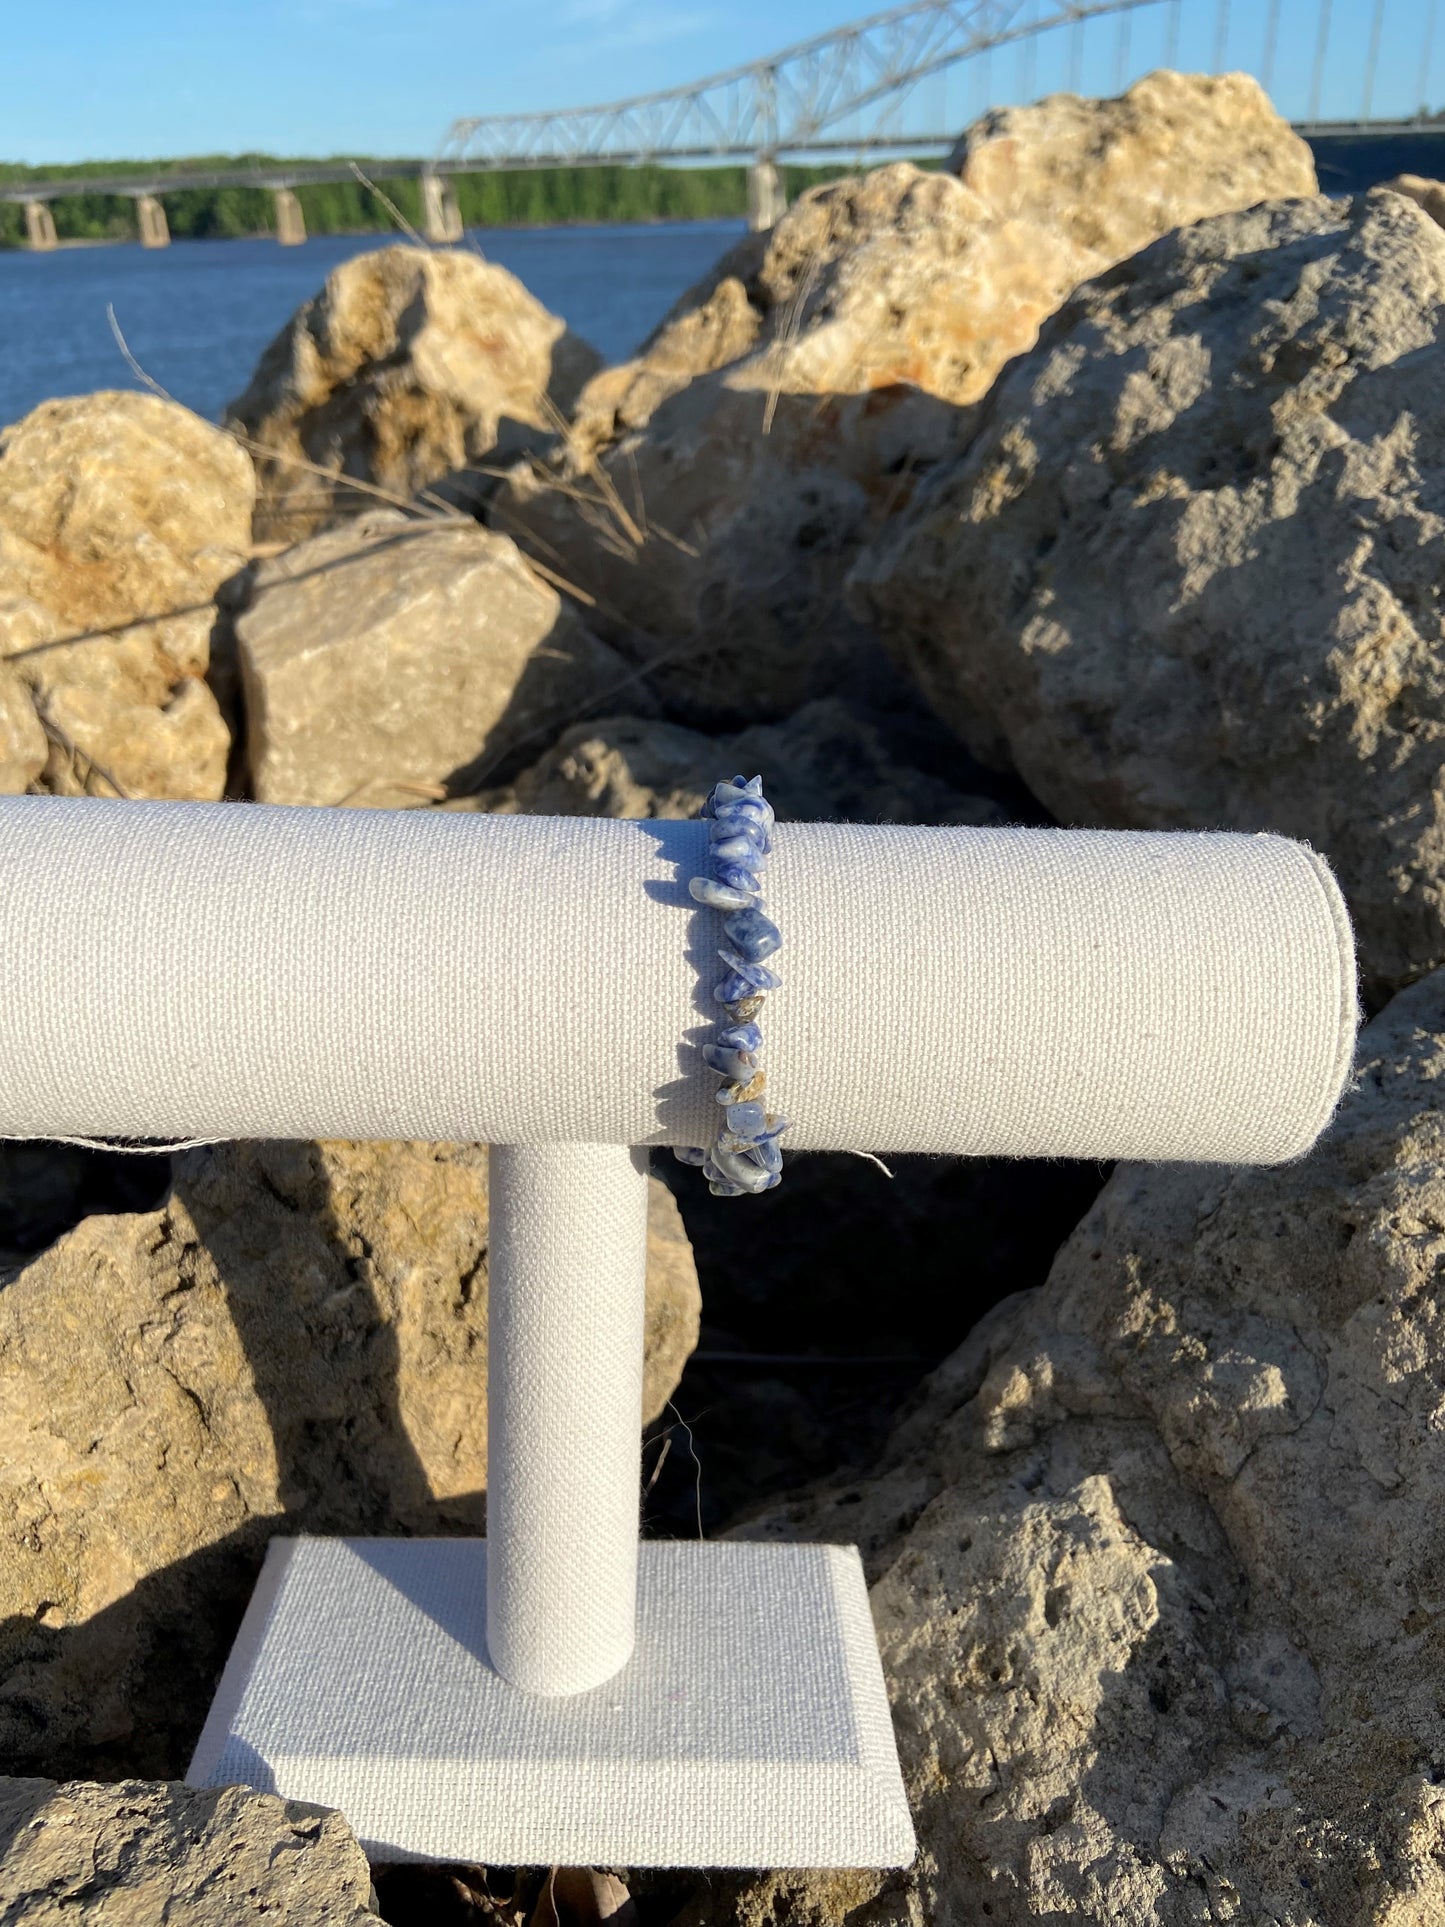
{"x": 746, "y": 1156}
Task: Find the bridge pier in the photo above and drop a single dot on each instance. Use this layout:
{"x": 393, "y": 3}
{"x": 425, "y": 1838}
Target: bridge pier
{"x": 290, "y": 221}
{"x": 441, "y": 216}
{"x": 150, "y": 214}
{"x": 767, "y": 197}
{"x": 40, "y": 226}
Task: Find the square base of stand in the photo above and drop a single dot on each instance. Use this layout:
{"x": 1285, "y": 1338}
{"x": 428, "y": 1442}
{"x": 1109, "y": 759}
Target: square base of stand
{"x": 749, "y": 1729}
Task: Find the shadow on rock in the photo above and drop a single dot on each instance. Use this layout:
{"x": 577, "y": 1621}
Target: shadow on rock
{"x": 825, "y": 1302}
{"x": 239, "y": 1368}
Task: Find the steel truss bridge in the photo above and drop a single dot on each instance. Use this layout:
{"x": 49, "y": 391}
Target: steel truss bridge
{"x": 865, "y": 89}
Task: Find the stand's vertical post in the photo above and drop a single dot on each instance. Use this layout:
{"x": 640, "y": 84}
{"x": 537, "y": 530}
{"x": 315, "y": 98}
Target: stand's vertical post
{"x": 567, "y": 1268}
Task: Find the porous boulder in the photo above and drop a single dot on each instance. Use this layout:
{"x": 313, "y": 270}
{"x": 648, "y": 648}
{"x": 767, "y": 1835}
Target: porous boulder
{"x": 711, "y": 491}
{"x": 1186, "y": 576}
{"x": 120, "y": 516}
{"x": 895, "y": 276}
{"x": 1156, "y": 1555}
{"x": 296, "y": 1340}
{"x": 1426, "y": 194}
{"x": 410, "y": 363}
{"x": 709, "y": 500}
{"x": 1113, "y": 175}
{"x": 392, "y": 660}
{"x": 140, "y": 1853}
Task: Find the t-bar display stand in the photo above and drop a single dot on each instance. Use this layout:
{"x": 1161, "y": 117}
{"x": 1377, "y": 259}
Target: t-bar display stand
{"x": 558, "y": 1693}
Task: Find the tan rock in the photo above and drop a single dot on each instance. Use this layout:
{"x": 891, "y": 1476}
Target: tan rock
{"x": 712, "y": 518}
{"x": 120, "y": 515}
{"x": 1429, "y": 195}
{"x": 47, "y": 1188}
{"x": 712, "y": 491}
{"x": 23, "y": 744}
{"x": 823, "y": 765}
{"x": 383, "y": 661}
{"x": 1186, "y": 574}
{"x": 713, "y": 546}
{"x": 295, "y": 1341}
{"x": 139, "y": 1854}
{"x": 410, "y": 363}
{"x": 1113, "y": 175}
{"x": 893, "y": 276}
{"x": 1156, "y": 1555}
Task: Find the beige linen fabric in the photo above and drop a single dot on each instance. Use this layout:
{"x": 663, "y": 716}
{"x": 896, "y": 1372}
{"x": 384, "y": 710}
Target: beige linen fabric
{"x": 751, "y": 1728}
{"x": 566, "y": 1267}
{"x": 244, "y": 970}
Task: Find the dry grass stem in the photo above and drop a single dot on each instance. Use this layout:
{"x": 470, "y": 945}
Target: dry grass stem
{"x": 391, "y": 497}
{"x": 78, "y": 756}
{"x": 391, "y": 207}
{"x": 790, "y": 328}
{"x": 432, "y": 792}
{"x": 603, "y": 509}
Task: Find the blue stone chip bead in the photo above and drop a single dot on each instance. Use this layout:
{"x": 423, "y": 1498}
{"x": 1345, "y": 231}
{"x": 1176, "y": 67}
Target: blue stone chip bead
{"x": 720, "y": 896}
{"x": 741, "y": 846}
{"x": 738, "y": 823}
{"x": 748, "y": 1037}
{"x": 738, "y": 876}
{"x": 729, "y": 823}
{"x": 736, "y": 1167}
{"x": 739, "y": 1065}
{"x": 734, "y": 989}
{"x": 734, "y": 791}
{"x": 690, "y": 1154}
{"x": 753, "y": 934}
{"x": 746, "y": 1120}
{"x": 758, "y": 975}
{"x": 742, "y": 820}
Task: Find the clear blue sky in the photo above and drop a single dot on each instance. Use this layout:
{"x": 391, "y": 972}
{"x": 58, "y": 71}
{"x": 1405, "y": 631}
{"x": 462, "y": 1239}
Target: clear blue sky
{"x": 94, "y": 79}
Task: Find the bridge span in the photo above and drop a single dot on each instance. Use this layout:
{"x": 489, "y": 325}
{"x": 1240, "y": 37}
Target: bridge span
{"x": 853, "y": 94}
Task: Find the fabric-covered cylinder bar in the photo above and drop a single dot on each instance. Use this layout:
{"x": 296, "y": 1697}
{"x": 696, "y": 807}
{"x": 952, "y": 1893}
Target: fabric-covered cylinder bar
{"x": 566, "y": 1271}
{"x": 186, "y": 970}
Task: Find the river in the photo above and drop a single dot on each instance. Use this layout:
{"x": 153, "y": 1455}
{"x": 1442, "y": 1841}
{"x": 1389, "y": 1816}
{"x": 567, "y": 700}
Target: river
{"x": 197, "y": 314}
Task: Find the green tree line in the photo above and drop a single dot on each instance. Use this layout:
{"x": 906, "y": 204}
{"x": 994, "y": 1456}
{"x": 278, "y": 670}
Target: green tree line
{"x": 537, "y": 197}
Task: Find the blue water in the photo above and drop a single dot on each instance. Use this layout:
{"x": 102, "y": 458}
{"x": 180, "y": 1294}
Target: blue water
{"x": 197, "y": 314}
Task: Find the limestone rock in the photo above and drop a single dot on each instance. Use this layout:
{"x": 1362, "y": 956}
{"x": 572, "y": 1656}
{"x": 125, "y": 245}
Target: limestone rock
{"x": 1429, "y": 195}
{"x": 23, "y": 744}
{"x": 142, "y": 1853}
{"x": 713, "y": 546}
{"x": 674, "y": 1304}
{"x": 711, "y": 491}
{"x": 896, "y": 276}
{"x": 712, "y": 518}
{"x": 1187, "y": 574}
{"x": 384, "y": 660}
{"x": 120, "y": 515}
{"x": 823, "y": 764}
{"x": 1114, "y": 175}
{"x": 1156, "y": 1555}
{"x": 410, "y": 363}
{"x": 295, "y": 1341}
{"x": 47, "y": 1188}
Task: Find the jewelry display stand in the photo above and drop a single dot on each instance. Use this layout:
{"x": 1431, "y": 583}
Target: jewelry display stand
{"x": 558, "y": 1693}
